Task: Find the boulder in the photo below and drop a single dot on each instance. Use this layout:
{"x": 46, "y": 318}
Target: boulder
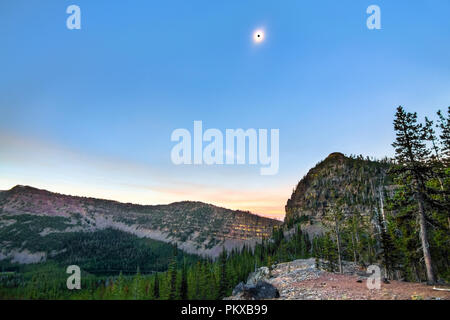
{"x": 260, "y": 274}
{"x": 238, "y": 289}
{"x": 262, "y": 290}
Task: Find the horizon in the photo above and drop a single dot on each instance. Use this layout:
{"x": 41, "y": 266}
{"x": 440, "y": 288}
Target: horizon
{"x": 138, "y": 204}
{"x": 275, "y": 217}
{"x": 90, "y": 112}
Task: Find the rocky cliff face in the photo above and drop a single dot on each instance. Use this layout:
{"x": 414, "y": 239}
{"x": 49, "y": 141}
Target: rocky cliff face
{"x": 196, "y": 227}
{"x": 355, "y": 182}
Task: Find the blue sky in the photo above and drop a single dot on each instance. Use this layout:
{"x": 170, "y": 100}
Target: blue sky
{"x": 91, "y": 111}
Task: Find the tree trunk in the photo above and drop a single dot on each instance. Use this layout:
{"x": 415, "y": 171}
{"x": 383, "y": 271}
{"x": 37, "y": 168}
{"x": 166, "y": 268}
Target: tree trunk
{"x": 382, "y": 211}
{"x": 338, "y": 240}
{"x": 384, "y": 228}
{"x": 424, "y": 240}
{"x": 354, "y": 249}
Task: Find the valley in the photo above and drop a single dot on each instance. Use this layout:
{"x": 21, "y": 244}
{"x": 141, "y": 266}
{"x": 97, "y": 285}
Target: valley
{"x": 346, "y": 212}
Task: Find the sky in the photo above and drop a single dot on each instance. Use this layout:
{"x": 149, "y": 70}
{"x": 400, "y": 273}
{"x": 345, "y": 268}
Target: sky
{"x": 90, "y": 112}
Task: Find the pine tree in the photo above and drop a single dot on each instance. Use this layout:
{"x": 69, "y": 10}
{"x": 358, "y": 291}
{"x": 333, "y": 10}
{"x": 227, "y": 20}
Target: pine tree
{"x": 444, "y": 125}
{"x": 443, "y": 165}
{"x": 329, "y": 253}
{"x": 410, "y": 154}
{"x": 184, "y": 283}
{"x": 156, "y": 293}
{"x": 197, "y": 288}
{"x": 172, "y": 275}
{"x": 119, "y": 287}
{"x": 136, "y": 288}
{"x": 334, "y": 219}
{"x": 203, "y": 280}
{"x": 387, "y": 247}
{"x": 223, "y": 280}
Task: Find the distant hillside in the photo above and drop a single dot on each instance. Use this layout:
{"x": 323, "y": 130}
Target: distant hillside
{"x": 354, "y": 181}
{"x": 196, "y": 227}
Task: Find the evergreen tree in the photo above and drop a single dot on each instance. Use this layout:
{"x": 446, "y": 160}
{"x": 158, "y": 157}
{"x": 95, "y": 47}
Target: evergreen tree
{"x": 119, "y": 287}
{"x": 172, "y": 276}
{"x": 388, "y": 249}
{"x": 334, "y": 220}
{"x": 411, "y": 154}
{"x": 184, "y": 284}
{"x": 223, "y": 281}
{"x": 444, "y": 125}
{"x": 136, "y": 288}
{"x": 156, "y": 293}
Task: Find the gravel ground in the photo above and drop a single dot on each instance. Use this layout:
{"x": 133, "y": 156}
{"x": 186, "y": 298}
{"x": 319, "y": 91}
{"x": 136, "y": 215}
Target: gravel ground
{"x": 300, "y": 280}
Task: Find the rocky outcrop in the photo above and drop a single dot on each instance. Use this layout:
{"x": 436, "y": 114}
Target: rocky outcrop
{"x": 355, "y": 182}
{"x": 302, "y": 280}
{"x": 256, "y": 288}
{"x": 262, "y": 273}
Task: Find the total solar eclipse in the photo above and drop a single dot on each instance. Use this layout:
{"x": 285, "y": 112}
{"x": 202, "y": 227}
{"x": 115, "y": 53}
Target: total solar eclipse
{"x": 258, "y": 36}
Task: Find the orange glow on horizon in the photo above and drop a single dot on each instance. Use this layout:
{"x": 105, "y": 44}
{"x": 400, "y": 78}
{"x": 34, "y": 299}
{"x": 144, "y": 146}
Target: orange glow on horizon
{"x": 261, "y": 203}
{"x": 49, "y": 166}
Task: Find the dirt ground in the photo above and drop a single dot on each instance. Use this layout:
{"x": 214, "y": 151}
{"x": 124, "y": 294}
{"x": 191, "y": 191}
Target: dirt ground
{"x": 330, "y": 286}
{"x": 300, "y": 280}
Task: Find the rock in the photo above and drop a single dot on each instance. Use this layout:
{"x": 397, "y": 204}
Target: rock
{"x": 262, "y": 290}
{"x": 260, "y": 274}
{"x": 361, "y": 279}
{"x": 238, "y": 289}
{"x": 300, "y": 280}
{"x": 258, "y": 291}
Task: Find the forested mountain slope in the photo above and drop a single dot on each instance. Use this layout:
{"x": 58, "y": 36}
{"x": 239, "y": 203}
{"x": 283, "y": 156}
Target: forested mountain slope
{"x": 30, "y": 217}
{"x": 354, "y": 183}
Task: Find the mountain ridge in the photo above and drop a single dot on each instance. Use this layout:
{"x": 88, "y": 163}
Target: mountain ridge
{"x": 196, "y": 227}
{"x": 18, "y": 188}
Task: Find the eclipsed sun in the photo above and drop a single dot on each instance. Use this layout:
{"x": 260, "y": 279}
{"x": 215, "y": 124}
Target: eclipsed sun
{"x": 258, "y": 36}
